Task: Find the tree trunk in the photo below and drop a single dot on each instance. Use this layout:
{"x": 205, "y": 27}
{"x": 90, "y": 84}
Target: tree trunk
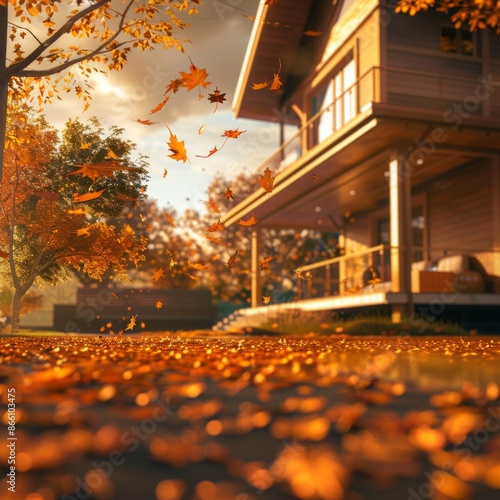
{"x": 3, "y": 82}
{"x": 16, "y": 311}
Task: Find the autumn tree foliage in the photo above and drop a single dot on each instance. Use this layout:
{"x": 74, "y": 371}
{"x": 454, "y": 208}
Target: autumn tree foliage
{"x": 471, "y": 14}
{"x": 73, "y": 40}
{"x": 44, "y": 230}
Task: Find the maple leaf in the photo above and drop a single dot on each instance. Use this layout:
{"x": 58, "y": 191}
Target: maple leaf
{"x": 233, "y": 134}
{"x": 83, "y": 231}
{"x": 232, "y": 262}
{"x": 174, "y": 85}
{"x": 101, "y": 169}
{"x": 145, "y": 122}
{"x": 260, "y": 86}
{"x": 170, "y": 220}
{"x": 159, "y": 304}
{"x": 266, "y": 299}
{"x": 85, "y": 145}
{"x": 131, "y": 323}
{"x": 228, "y": 193}
{"x": 249, "y": 222}
{"x": 267, "y": 180}
{"x": 218, "y": 241}
{"x": 216, "y": 97}
{"x": 265, "y": 261}
{"x": 196, "y": 77}
{"x": 111, "y": 154}
{"x": 212, "y": 206}
{"x": 158, "y": 274}
{"x": 216, "y": 226}
{"x": 159, "y": 107}
{"x": 177, "y": 148}
{"x": 78, "y": 198}
{"x": 212, "y": 152}
{"x": 195, "y": 265}
{"x": 276, "y": 83}
{"x": 299, "y": 274}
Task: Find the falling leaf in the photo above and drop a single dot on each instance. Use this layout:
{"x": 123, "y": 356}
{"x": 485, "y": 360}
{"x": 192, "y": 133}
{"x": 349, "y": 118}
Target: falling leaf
{"x": 250, "y": 222}
{"x": 196, "y": 77}
{"x": 374, "y": 281}
{"x": 174, "y": 85}
{"x": 216, "y": 97}
{"x": 260, "y": 86}
{"x": 158, "y": 274}
{"x": 111, "y": 154}
{"x": 131, "y": 323}
{"x": 194, "y": 278}
{"x": 266, "y": 180}
{"x": 212, "y": 152}
{"x": 265, "y": 261}
{"x": 77, "y": 198}
{"x": 215, "y": 240}
{"x": 165, "y": 172}
{"x": 228, "y": 193}
{"x": 233, "y": 134}
{"x": 195, "y": 265}
{"x": 124, "y": 197}
{"x": 177, "y": 148}
{"x": 159, "y": 304}
{"x": 315, "y": 177}
{"x": 76, "y": 211}
{"x": 266, "y": 299}
{"x": 313, "y": 33}
{"x": 301, "y": 276}
{"x": 276, "y": 83}
{"x": 216, "y": 226}
{"x": 201, "y": 130}
{"x": 170, "y": 220}
{"x": 212, "y": 206}
{"x": 159, "y": 107}
{"x": 101, "y": 169}
{"x": 85, "y": 145}
{"x": 145, "y": 122}
{"x": 83, "y": 231}
{"x": 232, "y": 262}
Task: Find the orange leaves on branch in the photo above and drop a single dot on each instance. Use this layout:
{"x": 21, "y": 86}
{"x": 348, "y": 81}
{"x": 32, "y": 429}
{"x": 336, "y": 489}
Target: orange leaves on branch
{"x": 101, "y": 169}
{"x": 216, "y": 97}
{"x": 266, "y": 181}
{"x": 177, "y": 148}
{"x": 249, "y": 222}
{"x": 78, "y": 198}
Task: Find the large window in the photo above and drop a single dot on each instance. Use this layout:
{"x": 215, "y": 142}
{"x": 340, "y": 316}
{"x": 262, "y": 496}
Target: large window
{"x": 458, "y": 41}
{"x": 336, "y": 101}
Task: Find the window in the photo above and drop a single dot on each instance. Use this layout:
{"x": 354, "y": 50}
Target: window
{"x": 457, "y": 41}
{"x": 336, "y": 101}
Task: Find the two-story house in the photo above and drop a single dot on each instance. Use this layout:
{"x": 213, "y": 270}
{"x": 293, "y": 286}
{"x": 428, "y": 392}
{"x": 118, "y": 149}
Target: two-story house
{"x": 398, "y": 135}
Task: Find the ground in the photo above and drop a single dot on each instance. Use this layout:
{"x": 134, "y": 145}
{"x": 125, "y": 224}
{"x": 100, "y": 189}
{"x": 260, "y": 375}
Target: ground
{"x": 204, "y": 417}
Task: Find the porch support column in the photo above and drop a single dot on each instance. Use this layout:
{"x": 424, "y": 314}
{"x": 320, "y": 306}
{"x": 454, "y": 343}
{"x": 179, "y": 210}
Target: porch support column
{"x": 496, "y": 221}
{"x": 400, "y": 233}
{"x": 256, "y": 289}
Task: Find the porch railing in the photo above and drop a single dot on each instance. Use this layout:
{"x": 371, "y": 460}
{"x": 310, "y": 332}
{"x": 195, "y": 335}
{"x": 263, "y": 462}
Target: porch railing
{"x": 401, "y": 87}
{"x": 368, "y": 271}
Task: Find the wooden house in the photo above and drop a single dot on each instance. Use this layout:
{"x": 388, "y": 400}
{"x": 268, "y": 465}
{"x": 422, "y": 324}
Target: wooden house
{"x": 398, "y": 135}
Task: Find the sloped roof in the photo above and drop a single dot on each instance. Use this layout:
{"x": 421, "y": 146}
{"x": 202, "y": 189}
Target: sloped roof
{"x": 276, "y": 35}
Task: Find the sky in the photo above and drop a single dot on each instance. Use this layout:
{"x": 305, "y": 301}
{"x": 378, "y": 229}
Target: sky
{"x": 218, "y": 37}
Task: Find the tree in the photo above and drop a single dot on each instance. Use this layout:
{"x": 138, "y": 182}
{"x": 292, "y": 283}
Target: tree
{"x": 32, "y": 301}
{"x": 44, "y": 38}
{"x": 478, "y": 14}
{"x": 45, "y": 233}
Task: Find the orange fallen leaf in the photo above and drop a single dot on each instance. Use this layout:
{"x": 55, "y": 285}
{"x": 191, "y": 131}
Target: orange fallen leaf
{"x": 249, "y": 222}
{"x": 83, "y": 231}
{"x": 212, "y": 152}
{"x": 233, "y": 134}
{"x": 159, "y": 107}
{"x": 77, "y": 198}
{"x": 196, "y": 77}
{"x": 266, "y": 181}
{"x": 177, "y": 148}
{"x": 216, "y": 97}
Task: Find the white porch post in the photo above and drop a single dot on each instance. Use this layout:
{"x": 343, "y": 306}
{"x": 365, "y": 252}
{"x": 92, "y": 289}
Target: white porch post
{"x": 255, "y": 268}
{"x": 400, "y": 232}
